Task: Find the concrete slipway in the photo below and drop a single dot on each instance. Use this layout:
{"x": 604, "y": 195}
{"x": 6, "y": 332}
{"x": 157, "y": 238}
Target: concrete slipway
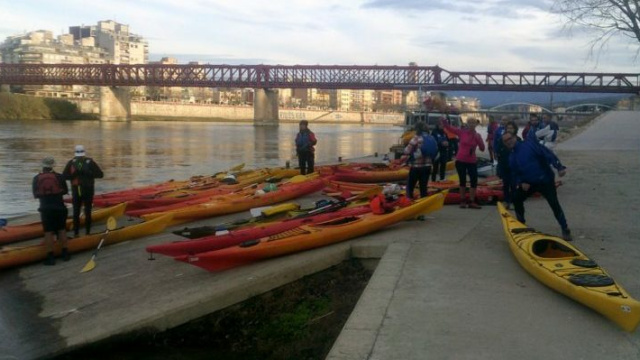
{"x": 444, "y": 288}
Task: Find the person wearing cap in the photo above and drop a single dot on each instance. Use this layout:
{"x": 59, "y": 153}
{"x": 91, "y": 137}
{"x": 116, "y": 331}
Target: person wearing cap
{"x": 49, "y": 187}
{"x": 305, "y": 142}
{"x": 82, "y": 171}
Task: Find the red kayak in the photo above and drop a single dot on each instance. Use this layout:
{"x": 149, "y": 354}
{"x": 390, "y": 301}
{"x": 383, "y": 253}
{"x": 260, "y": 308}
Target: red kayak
{"x": 235, "y": 237}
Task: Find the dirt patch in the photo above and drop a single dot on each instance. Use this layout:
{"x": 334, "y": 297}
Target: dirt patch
{"x": 300, "y": 320}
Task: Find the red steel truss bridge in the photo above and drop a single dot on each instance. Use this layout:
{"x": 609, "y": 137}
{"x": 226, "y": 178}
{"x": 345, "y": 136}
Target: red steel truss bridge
{"x": 315, "y": 76}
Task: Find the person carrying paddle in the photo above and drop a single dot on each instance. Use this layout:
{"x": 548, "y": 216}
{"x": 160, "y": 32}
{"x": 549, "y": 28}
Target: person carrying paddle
{"x": 531, "y": 172}
{"x": 466, "y": 160}
{"x": 82, "y": 171}
{"x": 420, "y": 153}
{"x": 49, "y": 187}
{"x": 305, "y": 142}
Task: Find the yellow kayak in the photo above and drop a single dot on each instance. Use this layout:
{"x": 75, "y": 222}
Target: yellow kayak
{"x": 562, "y": 267}
{"x": 14, "y": 256}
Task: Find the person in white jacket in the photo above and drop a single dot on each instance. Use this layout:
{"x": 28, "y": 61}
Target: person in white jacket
{"x": 549, "y": 132}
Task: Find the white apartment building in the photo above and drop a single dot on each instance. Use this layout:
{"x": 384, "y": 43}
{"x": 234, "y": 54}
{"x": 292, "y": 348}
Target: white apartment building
{"x": 122, "y": 46}
{"x": 41, "y": 47}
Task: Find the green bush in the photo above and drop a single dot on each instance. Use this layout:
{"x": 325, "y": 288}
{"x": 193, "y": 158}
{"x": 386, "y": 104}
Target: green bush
{"x": 18, "y": 107}
{"x": 23, "y": 107}
{"x": 62, "y": 109}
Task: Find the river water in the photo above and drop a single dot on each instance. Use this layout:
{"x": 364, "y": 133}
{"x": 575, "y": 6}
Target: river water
{"x": 139, "y": 153}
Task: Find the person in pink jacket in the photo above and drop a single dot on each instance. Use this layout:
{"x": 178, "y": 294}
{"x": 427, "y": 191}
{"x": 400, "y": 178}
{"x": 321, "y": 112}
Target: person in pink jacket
{"x": 466, "y": 161}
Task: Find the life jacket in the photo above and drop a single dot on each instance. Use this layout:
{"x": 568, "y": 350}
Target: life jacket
{"x": 48, "y": 183}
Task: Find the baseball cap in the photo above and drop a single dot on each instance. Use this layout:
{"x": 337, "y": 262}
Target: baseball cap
{"x": 80, "y": 150}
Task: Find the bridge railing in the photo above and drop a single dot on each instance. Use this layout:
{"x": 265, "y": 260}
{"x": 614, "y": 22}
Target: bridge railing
{"x": 313, "y": 76}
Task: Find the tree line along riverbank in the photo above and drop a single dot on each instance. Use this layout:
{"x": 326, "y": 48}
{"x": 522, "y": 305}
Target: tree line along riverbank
{"x": 23, "y": 107}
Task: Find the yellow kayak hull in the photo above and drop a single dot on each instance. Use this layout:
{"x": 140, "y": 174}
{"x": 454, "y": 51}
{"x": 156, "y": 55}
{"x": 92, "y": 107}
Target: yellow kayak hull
{"x": 562, "y": 267}
{"x": 14, "y": 256}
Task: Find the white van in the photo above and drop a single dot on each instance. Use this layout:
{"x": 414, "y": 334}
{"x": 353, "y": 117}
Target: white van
{"x": 429, "y": 118}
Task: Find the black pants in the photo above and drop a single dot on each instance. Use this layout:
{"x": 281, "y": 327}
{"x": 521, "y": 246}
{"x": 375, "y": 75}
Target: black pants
{"x": 418, "y": 175}
{"x": 440, "y": 165}
{"x": 467, "y": 168}
{"x": 548, "y": 190}
{"x": 508, "y": 186}
{"x": 82, "y": 196}
{"x": 306, "y": 161}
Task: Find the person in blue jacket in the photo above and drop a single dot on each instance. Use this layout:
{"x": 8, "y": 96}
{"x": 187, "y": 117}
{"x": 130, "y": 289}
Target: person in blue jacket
{"x": 530, "y": 165}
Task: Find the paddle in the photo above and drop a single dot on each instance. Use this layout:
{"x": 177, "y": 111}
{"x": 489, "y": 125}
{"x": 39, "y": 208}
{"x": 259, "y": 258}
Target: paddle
{"x": 363, "y": 195}
{"x": 111, "y": 225}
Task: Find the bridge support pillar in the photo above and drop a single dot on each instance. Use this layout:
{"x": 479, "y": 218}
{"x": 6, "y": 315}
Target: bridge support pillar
{"x": 115, "y": 103}
{"x": 265, "y": 107}
{"x": 5, "y": 88}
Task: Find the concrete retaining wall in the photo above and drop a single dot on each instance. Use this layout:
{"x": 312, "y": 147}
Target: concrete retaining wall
{"x": 243, "y": 113}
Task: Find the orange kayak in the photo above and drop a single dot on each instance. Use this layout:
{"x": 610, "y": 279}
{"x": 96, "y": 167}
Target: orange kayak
{"x": 11, "y": 234}
{"x": 309, "y": 236}
{"x": 241, "y": 202}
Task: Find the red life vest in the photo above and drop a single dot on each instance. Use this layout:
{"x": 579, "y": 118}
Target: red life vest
{"x": 48, "y": 183}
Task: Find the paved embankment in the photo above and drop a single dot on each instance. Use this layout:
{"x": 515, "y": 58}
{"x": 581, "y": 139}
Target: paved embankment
{"x": 445, "y": 288}
{"x": 454, "y": 291}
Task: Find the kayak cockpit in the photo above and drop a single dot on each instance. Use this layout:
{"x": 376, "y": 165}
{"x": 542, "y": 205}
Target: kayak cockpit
{"x": 548, "y": 248}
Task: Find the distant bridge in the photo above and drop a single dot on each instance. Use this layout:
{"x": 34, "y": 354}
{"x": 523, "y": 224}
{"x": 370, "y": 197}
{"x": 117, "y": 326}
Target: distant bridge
{"x": 315, "y": 76}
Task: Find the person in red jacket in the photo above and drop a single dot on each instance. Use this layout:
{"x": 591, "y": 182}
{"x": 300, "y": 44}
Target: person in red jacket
{"x": 305, "y": 142}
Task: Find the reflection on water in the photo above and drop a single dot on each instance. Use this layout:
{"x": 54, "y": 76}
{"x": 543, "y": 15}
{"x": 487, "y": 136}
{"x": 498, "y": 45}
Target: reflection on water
{"x": 138, "y": 153}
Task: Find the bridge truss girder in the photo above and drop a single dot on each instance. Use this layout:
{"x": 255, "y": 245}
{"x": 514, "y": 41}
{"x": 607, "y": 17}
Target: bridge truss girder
{"x": 314, "y": 76}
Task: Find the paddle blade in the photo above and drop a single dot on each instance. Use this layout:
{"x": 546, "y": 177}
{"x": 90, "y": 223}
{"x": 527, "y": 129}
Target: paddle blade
{"x": 89, "y": 266}
{"x": 368, "y": 193}
{"x": 298, "y": 179}
{"x": 237, "y": 167}
{"x": 111, "y": 223}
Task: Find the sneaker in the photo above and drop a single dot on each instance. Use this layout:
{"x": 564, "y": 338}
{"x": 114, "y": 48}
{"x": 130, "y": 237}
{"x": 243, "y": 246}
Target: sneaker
{"x": 420, "y": 218}
{"x": 474, "y": 205}
{"x": 566, "y": 235}
{"x": 463, "y": 205}
{"x": 65, "y": 255}
{"x": 50, "y": 260}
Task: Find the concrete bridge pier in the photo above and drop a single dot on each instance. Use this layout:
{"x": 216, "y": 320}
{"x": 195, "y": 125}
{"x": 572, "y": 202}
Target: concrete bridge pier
{"x": 5, "y": 88}
{"x": 265, "y": 107}
{"x": 115, "y": 103}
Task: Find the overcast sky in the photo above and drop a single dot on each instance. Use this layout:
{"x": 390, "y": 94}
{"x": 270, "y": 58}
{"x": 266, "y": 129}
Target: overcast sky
{"x": 458, "y": 35}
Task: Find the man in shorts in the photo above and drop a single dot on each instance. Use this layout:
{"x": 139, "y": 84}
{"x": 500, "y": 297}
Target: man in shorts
{"x": 49, "y": 187}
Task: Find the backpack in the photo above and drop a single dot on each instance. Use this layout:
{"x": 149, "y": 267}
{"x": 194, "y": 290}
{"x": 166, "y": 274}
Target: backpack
{"x": 429, "y": 146}
{"x": 48, "y": 183}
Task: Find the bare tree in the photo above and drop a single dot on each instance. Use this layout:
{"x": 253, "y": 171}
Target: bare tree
{"x": 608, "y": 17}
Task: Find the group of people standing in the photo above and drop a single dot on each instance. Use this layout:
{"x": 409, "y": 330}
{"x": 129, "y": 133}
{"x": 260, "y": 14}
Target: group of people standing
{"x": 525, "y": 166}
{"x": 49, "y": 187}
{"x": 422, "y": 158}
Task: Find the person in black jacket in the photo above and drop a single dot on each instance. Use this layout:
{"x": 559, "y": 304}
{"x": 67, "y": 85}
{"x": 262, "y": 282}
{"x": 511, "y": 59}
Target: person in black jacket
{"x": 49, "y": 187}
{"x": 504, "y": 171}
{"x": 440, "y": 164}
{"x": 82, "y": 171}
